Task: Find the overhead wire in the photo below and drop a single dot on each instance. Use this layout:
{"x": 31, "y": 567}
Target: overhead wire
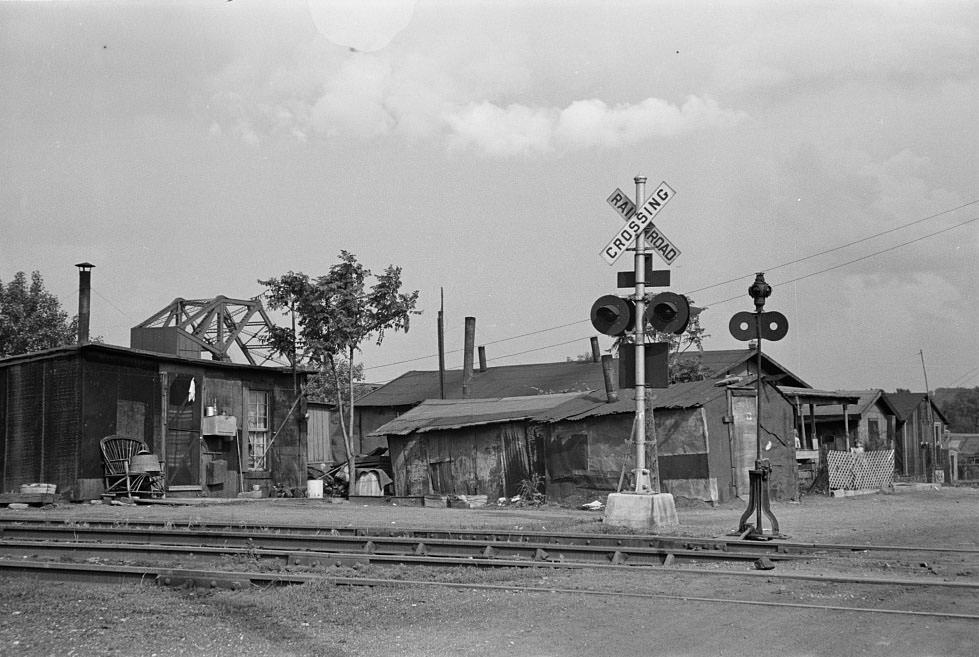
{"x": 736, "y": 279}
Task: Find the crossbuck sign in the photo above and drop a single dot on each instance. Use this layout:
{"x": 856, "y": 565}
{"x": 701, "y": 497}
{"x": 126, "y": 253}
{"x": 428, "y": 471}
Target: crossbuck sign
{"x": 640, "y": 221}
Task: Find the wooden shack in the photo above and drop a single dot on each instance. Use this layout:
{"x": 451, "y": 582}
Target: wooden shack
{"x": 580, "y": 444}
{"x": 220, "y": 427}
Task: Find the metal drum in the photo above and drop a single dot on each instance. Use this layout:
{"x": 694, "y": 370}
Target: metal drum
{"x": 144, "y": 463}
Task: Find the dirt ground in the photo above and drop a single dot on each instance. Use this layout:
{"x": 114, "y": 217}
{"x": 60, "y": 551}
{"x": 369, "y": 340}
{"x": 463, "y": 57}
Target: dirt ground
{"x": 42, "y": 618}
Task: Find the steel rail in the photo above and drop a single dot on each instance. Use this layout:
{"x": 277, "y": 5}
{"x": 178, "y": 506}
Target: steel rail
{"x": 394, "y": 545}
{"x": 237, "y": 580}
{"x": 496, "y": 535}
{"x": 15, "y": 550}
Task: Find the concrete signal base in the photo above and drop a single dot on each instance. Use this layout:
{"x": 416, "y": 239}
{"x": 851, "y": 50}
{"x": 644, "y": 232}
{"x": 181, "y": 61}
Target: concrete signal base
{"x": 641, "y": 511}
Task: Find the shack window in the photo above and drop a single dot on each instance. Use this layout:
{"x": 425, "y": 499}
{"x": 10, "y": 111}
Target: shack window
{"x": 258, "y": 428}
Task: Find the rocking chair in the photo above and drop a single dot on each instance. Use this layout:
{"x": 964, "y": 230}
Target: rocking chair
{"x": 131, "y": 469}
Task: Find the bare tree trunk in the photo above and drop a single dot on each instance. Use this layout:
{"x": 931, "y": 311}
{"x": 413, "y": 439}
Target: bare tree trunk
{"x": 349, "y": 435}
{"x": 345, "y": 428}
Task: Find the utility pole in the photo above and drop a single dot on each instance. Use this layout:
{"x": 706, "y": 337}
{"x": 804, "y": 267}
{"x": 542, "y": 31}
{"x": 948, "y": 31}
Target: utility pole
{"x": 931, "y": 442}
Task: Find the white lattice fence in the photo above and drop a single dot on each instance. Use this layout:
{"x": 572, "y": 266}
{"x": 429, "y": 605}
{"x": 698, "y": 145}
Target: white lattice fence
{"x": 860, "y": 470}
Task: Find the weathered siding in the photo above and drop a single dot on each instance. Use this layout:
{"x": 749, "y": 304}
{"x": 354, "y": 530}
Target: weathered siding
{"x": 586, "y": 458}
{"x": 488, "y": 460}
{"x": 288, "y": 452}
{"x": 55, "y": 409}
{"x": 24, "y": 426}
{"x": 325, "y": 435}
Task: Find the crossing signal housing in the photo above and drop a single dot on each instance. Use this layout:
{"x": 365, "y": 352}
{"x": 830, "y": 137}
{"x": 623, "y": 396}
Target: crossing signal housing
{"x": 613, "y": 315}
{"x": 668, "y": 312}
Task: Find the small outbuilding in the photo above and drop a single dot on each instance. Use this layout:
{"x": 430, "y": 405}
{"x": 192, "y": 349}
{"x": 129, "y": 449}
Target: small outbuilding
{"x": 919, "y": 431}
{"x": 219, "y": 427}
{"x": 581, "y": 444}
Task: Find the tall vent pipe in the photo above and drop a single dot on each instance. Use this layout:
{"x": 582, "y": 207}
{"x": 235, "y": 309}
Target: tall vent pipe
{"x": 84, "y": 300}
{"x": 467, "y": 358}
{"x": 608, "y": 366}
{"x": 596, "y": 352}
{"x": 482, "y": 359}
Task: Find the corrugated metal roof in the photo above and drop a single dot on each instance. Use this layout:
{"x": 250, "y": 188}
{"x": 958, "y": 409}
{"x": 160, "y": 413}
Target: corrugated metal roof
{"x": 819, "y": 397}
{"x": 434, "y": 414}
{"x": 681, "y": 395}
{"x": 532, "y": 379}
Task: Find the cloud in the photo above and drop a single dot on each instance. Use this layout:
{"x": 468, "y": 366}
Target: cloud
{"x": 584, "y": 124}
{"x": 798, "y": 46}
{"x": 375, "y": 95}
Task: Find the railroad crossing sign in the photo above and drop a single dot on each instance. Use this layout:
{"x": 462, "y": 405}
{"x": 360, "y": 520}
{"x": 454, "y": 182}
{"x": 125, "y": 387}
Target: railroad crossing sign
{"x": 640, "y": 220}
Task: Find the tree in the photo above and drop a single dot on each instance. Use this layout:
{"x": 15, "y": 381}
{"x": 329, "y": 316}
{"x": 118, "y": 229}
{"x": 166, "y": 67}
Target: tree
{"x": 335, "y": 314}
{"x": 31, "y": 318}
{"x": 962, "y": 411}
{"x": 321, "y": 387}
{"x": 684, "y": 364}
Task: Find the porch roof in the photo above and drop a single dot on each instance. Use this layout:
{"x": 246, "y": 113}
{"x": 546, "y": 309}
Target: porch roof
{"x": 829, "y": 403}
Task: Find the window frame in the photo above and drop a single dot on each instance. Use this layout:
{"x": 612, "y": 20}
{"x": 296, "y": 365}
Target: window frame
{"x": 257, "y": 400}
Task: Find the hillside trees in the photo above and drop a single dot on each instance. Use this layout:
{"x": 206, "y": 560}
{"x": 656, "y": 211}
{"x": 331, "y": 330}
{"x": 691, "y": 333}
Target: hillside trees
{"x": 336, "y": 313}
{"x": 31, "y": 318}
{"x": 962, "y": 410}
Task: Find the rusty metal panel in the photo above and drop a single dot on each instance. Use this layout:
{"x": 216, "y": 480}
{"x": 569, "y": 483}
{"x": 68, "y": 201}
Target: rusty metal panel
{"x": 415, "y": 466}
{"x": 681, "y": 431}
{"x": 516, "y": 456}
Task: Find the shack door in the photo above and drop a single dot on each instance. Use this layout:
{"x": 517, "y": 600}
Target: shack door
{"x": 743, "y": 442}
{"x": 182, "y": 450}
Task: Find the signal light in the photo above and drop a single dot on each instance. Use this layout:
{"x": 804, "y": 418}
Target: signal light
{"x": 613, "y": 315}
{"x": 769, "y": 325}
{"x": 668, "y": 312}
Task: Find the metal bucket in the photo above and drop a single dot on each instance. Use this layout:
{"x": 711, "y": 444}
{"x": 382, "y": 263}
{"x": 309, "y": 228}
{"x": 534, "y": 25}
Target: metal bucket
{"x": 314, "y": 488}
{"x": 144, "y": 463}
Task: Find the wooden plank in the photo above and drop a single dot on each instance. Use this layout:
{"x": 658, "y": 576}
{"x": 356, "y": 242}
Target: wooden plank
{"x": 28, "y": 498}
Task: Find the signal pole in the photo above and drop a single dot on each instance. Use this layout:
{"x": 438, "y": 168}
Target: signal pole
{"x": 639, "y": 336}
{"x": 619, "y": 316}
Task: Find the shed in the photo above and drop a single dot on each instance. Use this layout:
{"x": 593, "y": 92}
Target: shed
{"x": 963, "y": 452}
{"x": 219, "y": 426}
{"x": 467, "y": 446}
{"x": 919, "y": 429}
{"x": 412, "y": 388}
{"x": 580, "y": 444}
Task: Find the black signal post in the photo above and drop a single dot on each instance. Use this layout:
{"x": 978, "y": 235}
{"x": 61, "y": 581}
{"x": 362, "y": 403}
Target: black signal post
{"x": 759, "y": 325}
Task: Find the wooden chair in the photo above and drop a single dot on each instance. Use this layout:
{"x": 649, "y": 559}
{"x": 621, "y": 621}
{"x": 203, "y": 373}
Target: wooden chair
{"x": 130, "y": 469}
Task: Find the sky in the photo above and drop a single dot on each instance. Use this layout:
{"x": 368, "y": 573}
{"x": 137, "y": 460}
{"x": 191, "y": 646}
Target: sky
{"x": 189, "y": 149}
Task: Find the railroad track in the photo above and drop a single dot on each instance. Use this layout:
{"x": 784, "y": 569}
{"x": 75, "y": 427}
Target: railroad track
{"x": 241, "y": 580}
{"x": 428, "y": 547}
{"x": 242, "y": 557}
{"x": 521, "y": 543}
